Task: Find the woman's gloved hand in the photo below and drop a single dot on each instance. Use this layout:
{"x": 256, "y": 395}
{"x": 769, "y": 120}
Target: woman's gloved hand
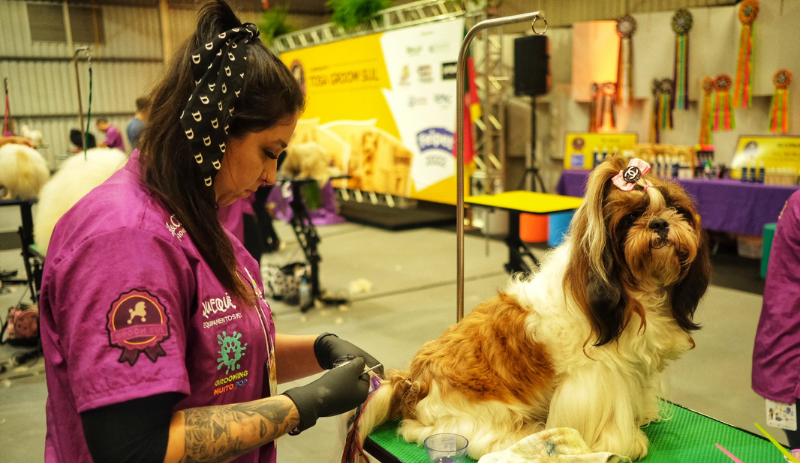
{"x": 328, "y": 347}
{"x": 337, "y": 391}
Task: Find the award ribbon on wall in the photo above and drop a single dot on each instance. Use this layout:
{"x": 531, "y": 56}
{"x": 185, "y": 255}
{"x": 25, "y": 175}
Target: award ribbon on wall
{"x": 748, "y": 12}
{"x": 666, "y": 90}
{"x": 607, "y": 120}
{"x": 655, "y": 134}
{"x": 705, "y": 114}
{"x": 779, "y": 109}
{"x": 626, "y": 26}
{"x": 681, "y": 24}
{"x": 721, "y": 104}
{"x": 595, "y": 113}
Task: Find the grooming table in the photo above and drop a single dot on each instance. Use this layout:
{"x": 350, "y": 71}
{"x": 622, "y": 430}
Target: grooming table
{"x": 33, "y": 266}
{"x": 517, "y": 202}
{"x": 689, "y": 437}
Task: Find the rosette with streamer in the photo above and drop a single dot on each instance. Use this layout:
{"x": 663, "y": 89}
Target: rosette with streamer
{"x": 595, "y": 116}
{"x": 721, "y": 104}
{"x": 748, "y": 11}
{"x": 779, "y": 109}
{"x": 608, "y": 100}
{"x": 705, "y": 114}
{"x": 626, "y": 26}
{"x": 655, "y": 133}
{"x": 666, "y": 89}
{"x": 681, "y": 25}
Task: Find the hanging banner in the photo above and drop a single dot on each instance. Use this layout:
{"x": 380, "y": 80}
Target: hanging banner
{"x": 384, "y": 106}
{"x": 779, "y": 152}
{"x": 584, "y": 148}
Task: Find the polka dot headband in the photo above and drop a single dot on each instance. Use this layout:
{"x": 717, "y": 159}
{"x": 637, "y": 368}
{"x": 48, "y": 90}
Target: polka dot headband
{"x": 218, "y": 69}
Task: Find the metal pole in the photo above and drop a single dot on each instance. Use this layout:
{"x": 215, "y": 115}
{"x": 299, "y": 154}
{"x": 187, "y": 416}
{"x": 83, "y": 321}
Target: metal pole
{"x": 78, "y": 82}
{"x": 462, "y": 61}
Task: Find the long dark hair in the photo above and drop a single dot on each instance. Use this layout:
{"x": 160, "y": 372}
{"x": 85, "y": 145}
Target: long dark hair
{"x": 270, "y": 94}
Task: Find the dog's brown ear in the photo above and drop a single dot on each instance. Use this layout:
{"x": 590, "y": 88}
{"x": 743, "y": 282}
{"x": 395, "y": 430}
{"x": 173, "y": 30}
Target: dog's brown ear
{"x": 687, "y": 293}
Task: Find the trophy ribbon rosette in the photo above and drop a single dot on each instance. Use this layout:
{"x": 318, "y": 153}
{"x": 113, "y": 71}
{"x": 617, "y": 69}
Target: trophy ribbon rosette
{"x": 595, "y": 109}
{"x": 681, "y": 24}
{"x": 666, "y": 89}
{"x": 721, "y": 104}
{"x": 748, "y": 12}
{"x": 609, "y": 93}
{"x": 705, "y": 114}
{"x": 779, "y": 109}
{"x": 626, "y": 26}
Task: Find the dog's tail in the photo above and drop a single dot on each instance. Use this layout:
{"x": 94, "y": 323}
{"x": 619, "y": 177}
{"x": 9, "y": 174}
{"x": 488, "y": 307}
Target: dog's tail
{"x": 383, "y": 404}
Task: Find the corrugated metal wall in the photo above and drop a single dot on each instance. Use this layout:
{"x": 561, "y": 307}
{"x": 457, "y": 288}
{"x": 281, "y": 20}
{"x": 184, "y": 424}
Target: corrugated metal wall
{"x": 41, "y": 76}
{"x": 566, "y": 12}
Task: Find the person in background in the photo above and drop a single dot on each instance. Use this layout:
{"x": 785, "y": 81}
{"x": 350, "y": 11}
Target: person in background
{"x": 76, "y": 138}
{"x": 136, "y": 124}
{"x": 776, "y": 355}
{"x": 113, "y": 136}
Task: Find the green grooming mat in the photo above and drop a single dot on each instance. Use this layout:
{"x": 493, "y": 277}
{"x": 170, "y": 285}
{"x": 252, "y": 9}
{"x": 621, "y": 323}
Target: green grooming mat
{"x": 688, "y": 437}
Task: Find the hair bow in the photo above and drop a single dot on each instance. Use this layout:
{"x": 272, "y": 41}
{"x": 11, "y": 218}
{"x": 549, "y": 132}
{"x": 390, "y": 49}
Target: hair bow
{"x": 626, "y": 179}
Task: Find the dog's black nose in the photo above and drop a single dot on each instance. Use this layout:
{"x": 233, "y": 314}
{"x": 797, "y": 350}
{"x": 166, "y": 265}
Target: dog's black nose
{"x": 660, "y": 226}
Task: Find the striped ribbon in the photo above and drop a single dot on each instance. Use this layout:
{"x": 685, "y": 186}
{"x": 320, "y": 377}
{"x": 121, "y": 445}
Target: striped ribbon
{"x": 681, "y": 71}
{"x": 665, "y": 112}
{"x": 723, "y": 113}
{"x": 625, "y": 72}
{"x": 705, "y": 120}
{"x": 742, "y": 91}
{"x": 779, "y": 111}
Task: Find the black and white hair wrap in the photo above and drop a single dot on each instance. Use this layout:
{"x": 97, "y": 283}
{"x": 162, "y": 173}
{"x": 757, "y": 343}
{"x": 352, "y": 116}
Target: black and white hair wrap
{"x": 218, "y": 69}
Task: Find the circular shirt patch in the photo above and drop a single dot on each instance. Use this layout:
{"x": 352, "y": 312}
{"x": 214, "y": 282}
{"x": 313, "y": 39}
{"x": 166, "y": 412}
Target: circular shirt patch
{"x": 632, "y": 174}
{"x": 137, "y": 322}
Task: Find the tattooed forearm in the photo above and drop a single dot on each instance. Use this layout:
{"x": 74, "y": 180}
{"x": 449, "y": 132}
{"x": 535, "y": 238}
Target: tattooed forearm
{"x": 222, "y": 433}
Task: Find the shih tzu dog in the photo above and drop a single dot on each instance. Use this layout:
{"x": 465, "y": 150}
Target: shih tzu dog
{"x": 581, "y": 343}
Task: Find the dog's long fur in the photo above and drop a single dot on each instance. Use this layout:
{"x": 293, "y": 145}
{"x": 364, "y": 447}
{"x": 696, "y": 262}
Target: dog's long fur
{"x": 23, "y": 171}
{"x": 579, "y": 344}
{"x": 74, "y": 180}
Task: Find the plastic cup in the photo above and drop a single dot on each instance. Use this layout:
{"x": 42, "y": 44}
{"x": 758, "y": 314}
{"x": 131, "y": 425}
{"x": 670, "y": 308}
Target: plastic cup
{"x": 446, "y": 448}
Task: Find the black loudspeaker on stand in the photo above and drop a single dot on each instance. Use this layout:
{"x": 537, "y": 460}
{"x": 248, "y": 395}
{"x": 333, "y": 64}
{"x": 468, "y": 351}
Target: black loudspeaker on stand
{"x": 532, "y": 78}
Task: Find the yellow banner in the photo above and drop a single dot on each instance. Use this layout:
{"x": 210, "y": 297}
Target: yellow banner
{"x": 583, "y": 148}
{"x": 777, "y": 152}
{"x": 383, "y": 106}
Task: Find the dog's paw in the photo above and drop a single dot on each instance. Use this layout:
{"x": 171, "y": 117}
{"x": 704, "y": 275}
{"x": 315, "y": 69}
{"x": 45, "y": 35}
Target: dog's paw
{"x": 639, "y": 449}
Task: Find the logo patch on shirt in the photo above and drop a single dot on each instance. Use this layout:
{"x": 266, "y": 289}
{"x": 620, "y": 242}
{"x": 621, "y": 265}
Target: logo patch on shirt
{"x": 137, "y": 322}
{"x": 230, "y": 352}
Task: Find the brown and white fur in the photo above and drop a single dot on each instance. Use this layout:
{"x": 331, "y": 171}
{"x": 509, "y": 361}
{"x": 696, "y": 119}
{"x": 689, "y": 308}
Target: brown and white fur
{"x": 23, "y": 171}
{"x": 578, "y": 344}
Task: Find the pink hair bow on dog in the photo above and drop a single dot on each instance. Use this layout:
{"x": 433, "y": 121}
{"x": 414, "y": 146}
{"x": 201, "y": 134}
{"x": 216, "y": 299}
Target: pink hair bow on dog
{"x": 626, "y": 179}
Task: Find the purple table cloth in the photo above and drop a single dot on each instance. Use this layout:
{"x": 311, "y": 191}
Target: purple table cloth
{"x": 325, "y": 215}
{"x": 724, "y": 205}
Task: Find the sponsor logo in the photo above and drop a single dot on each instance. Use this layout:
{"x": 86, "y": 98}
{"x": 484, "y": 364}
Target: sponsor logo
{"x": 425, "y": 73}
{"x": 230, "y": 352}
{"x": 137, "y": 322}
{"x": 405, "y": 75}
{"x": 417, "y": 101}
{"x": 216, "y": 305}
{"x": 229, "y": 383}
{"x": 413, "y": 51}
{"x": 435, "y": 138}
{"x": 438, "y": 47}
{"x": 578, "y": 143}
{"x": 173, "y": 225}
{"x": 449, "y": 70}
{"x": 443, "y": 99}
{"x": 222, "y": 320}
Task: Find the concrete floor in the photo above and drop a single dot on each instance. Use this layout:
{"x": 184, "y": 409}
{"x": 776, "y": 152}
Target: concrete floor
{"x": 412, "y": 301}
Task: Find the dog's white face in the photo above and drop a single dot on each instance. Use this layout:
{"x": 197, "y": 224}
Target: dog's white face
{"x": 633, "y": 242}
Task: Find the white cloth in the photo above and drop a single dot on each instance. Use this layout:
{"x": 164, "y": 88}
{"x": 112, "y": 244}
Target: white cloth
{"x": 557, "y": 445}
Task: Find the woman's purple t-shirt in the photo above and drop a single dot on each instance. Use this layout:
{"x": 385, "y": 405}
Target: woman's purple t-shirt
{"x": 776, "y": 354}
{"x": 130, "y": 309}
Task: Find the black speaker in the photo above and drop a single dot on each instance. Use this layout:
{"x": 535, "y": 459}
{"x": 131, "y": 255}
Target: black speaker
{"x": 531, "y": 66}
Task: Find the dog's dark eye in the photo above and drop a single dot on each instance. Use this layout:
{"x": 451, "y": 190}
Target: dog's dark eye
{"x": 628, "y": 220}
{"x": 685, "y": 214}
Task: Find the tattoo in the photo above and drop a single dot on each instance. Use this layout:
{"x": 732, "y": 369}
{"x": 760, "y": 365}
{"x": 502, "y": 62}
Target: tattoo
{"x": 222, "y": 433}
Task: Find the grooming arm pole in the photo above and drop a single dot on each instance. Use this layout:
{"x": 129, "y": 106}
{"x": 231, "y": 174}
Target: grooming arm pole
{"x": 78, "y": 84}
{"x": 462, "y": 58}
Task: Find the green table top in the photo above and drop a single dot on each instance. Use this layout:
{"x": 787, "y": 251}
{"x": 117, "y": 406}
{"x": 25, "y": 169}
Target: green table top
{"x": 688, "y": 437}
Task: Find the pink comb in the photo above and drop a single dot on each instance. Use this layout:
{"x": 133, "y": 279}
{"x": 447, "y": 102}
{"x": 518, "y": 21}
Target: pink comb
{"x": 729, "y": 454}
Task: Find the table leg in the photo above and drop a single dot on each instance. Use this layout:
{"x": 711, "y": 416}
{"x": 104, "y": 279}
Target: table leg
{"x": 517, "y": 248}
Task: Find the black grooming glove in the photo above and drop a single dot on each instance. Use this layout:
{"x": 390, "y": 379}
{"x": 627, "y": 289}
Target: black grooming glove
{"x": 328, "y": 347}
{"x": 337, "y": 391}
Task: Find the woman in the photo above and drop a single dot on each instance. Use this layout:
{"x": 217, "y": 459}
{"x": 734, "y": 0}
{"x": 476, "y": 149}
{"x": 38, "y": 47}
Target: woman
{"x": 158, "y": 344}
